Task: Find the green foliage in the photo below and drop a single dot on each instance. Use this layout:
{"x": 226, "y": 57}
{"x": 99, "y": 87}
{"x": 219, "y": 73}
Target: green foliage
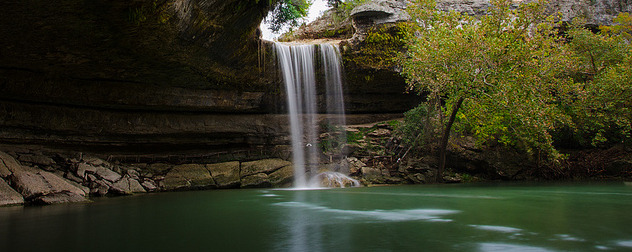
{"x": 501, "y": 76}
{"x": 602, "y": 110}
{"x": 155, "y": 11}
{"x": 288, "y": 13}
{"x": 412, "y": 129}
{"x": 622, "y": 27}
{"x": 380, "y": 47}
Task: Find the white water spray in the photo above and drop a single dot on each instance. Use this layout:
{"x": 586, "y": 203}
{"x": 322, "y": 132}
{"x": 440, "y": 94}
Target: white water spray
{"x": 297, "y": 67}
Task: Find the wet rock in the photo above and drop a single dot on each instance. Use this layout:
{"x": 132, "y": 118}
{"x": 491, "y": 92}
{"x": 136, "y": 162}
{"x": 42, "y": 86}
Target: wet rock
{"x": 188, "y": 176}
{"x": 282, "y": 177}
{"x": 335, "y": 179}
{"x": 58, "y": 198}
{"x": 263, "y": 166}
{"x": 8, "y": 196}
{"x": 254, "y": 181}
{"x": 226, "y": 175}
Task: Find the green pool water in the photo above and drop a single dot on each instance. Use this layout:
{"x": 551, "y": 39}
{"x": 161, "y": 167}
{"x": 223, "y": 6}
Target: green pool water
{"x": 476, "y": 217}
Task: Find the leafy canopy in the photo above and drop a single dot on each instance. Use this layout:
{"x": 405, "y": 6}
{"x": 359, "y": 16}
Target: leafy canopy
{"x": 602, "y": 111}
{"x": 500, "y": 75}
{"x": 288, "y": 13}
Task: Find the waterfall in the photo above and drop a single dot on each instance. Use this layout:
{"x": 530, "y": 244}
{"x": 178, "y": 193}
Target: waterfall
{"x": 297, "y": 64}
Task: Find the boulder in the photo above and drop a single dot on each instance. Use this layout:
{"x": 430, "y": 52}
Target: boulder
{"x": 335, "y": 179}
{"x": 34, "y": 184}
{"x": 371, "y": 174}
{"x": 135, "y": 186}
{"x": 127, "y": 185}
{"x": 254, "y": 181}
{"x": 7, "y": 164}
{"x": 149, "y": 185}
{"x": 100, "y": 188}
{"x": 188, "y": 176}
{"x": 107, "y": 174}
{"x": 83, "y": 167}
{"x": 282, "y": 177}
{"x": 121, "y": 187}
{"x": 355, "y": 165}
{"x": 8, "y": 196}
{"x": 263, "y": 166}
{"x": 225, "y": 174}
{"x": 60, "y": 197}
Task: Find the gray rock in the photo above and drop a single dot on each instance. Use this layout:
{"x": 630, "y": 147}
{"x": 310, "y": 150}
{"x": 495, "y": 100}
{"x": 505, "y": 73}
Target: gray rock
{"x": 8, "y": 196}
{"x": 7, "y": 164}
{"x": 37, "y": 159}
{"x": 127, "y": 185}
{"x": 226, "y": 175}
{"x": 355, "y": 165}
{"x": 188, "y": 176}
{"x": 371, "y": 174}
{"x": 94, "y": 161}
{"x": 382, "y": 11}
{"x": 107, "y": 174}
{"x": 149, "y": 185}
{"x": 254, "y": 181}
{"x": 263, "y": 166}
{"x": 60, "y": 197}
{"x": 135, "y": 186}
{"x": 121, "y": 187}
{"x": 82, "y": 168}
{"x": 133, "y": 174}
{"x": 100, "y": 188}
{"x": 73, "y": 177}
{"x": 33, "y": 183}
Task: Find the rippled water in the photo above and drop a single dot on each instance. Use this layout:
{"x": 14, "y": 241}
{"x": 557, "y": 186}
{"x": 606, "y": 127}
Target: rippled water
{"x": 508, "y": 217}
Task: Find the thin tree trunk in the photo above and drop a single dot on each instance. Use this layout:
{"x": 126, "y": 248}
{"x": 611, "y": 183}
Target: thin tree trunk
{"x": 445, "y": 138}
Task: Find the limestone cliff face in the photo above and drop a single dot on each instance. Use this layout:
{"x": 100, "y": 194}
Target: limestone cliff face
{"x": 134, "y": 72}
{"x": 191, "y": 72}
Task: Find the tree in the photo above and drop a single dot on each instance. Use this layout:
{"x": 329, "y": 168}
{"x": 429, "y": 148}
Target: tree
{"x": 288, "y": 12}
{"x": 500, "y": 77}
{"x": 602, "y": 111}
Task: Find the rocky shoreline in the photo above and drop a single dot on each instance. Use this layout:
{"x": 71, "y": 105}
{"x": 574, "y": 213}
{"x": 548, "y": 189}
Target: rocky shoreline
{"x": 36, "y": 175}
{"x": 30, "y": 176}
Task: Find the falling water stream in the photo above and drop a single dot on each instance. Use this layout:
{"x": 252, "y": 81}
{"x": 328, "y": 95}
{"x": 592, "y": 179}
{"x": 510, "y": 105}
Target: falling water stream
{"x": 297, "y": 65}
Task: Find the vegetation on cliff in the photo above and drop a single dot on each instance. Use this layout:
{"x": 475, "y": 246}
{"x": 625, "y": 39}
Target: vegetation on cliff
{"x": 510, "y": 77}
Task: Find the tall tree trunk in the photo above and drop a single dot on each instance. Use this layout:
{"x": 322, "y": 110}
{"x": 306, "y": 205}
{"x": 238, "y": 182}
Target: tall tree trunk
{"x": 445, "y": 138}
